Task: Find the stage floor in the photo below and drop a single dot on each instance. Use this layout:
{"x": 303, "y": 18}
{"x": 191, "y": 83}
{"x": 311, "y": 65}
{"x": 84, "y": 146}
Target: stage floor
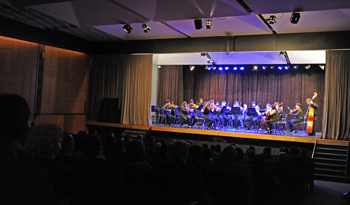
{"x": 299, "y": 137}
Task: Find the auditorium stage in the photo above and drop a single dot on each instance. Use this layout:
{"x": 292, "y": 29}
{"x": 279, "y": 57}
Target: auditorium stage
{"x": 240, "y": 134}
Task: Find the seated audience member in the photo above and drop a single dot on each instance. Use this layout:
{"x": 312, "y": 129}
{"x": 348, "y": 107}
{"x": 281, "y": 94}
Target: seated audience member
{"x": 66, "y": 154}
{"x": 79, "y": 140}
{"x": 195, "y": 156}
{"x": 240, "y": 155}
{"x": 20, "y": 183}
{"x": 119, "y": 145}
{"x": 139, "y": 137}
{"x": 109, "y": 151}
{"x": 205, "y": 145}
{"x": 92, "y": 151}
{"x": 215, "y": 155}
{"x": 135, "y": 155}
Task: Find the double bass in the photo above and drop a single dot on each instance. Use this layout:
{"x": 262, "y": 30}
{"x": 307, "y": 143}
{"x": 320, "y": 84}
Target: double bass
{"x": 311, "y": 117}
{"x": 268, "y": 114}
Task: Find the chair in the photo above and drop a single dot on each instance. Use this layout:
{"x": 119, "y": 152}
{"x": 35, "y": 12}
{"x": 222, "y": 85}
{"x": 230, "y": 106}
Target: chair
{"x": 302, "y": 125}
{"x": 281, "y": 125}
{"x": 200, "y": 117}
{"x": 177, "y": 116}
{"x": 161, "y": 115}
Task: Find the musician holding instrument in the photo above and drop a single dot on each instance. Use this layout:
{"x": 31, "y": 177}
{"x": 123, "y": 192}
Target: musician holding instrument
{"x": 271, "y": 117}
{"x": 298, "y": 117}
{"x": 167, "y": 111}
{"x": 207, "y": 116}
{"x": 184, "y": 115}
{"x": 312, "y": 110}
{"x": 193, "y": 108}
{"x": 223, "y": 111}
{"x": 236, "y": 117}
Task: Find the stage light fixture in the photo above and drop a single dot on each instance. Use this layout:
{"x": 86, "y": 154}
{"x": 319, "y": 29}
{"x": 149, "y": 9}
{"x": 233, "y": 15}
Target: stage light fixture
{"x": 191, "y": 67}
{"x": 159, "y": 66}
{"x": 227, "y": 68}
{"x": 145, "y": 28}
{"x": 263, "y": 67}
{"x": 210, "y": 60}
{"x": 307, "y": 67}
{"x": 209, "y": 68}
{"x": 127, "y": 28}
{"x": 235, "y": 68}
{"x": 198, "y": 23}
{"x": 286, "y": 67}
{"x": 208, "y": 24}
{"x": 220, "y": 68}
{"x": 271, "y": 20}
{"x": 281, "y": 53}
{"x": 296, "y": 66}
{"x": 241, "y": 68}
{"x": 280, "y": 67}
{"x": 214, "y": 68}
{"x": 272, "y": 67}
{"x": 294, "y": 19}
{"x": 322, "y": 67}
{"x": 255, "y": 68}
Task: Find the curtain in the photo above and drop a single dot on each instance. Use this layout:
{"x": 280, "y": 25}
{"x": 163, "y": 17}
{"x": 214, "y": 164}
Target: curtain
{"x": 264, "y": 86}
{"x": 337, "y": 100}
{"x": 170, "y": 84}
{"x": 126, "y": 77}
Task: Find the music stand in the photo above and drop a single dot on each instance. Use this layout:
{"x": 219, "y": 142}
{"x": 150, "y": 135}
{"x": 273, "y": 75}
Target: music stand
{"x": 251, "y": 111}
{"x": 235, "y": 111}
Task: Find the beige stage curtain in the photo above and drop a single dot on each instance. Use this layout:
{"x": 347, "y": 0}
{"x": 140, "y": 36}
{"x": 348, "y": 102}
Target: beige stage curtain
{"x": 126, "y": 77}
{"x": 336, "y": 113}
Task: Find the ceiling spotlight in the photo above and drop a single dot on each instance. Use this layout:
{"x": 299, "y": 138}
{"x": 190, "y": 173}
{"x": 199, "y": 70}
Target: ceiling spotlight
{"x": 263, "y": 67}
{"x": 198, "y": 23}
{"x": 127, "y": 28}
{"x": 235, "y": 68}
{"x": 295, "y": 18}
{"x": 322, "y": 66}
{"x": 255, "y": 68}
{"x": 145, "y": 28}
{"x": 286, "y": 67}
{"x": 191, "y": 67}
{"x": 214, "y": 68}
{"x": 159, "y": 66}
{"x": 280, "y": 67}
{"x": 241, "y": 68}
{"x": 272, "y": 67}
{"x": 220, "y": 68}
{"x": 307, "y": 67}
{"x": 210, "y": 67}
{"x": 296, "y": 67}
{"x": 208, "y": 24}
{"x": 226, "y": 68}
{"x": 271, "y": 20}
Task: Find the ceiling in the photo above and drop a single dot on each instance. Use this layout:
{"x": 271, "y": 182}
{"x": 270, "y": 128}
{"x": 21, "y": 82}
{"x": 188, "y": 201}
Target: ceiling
{"x": 103, "y": 20}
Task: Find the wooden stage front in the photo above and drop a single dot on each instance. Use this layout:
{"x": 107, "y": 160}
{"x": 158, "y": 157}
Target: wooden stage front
{"x": 209, "y": 135}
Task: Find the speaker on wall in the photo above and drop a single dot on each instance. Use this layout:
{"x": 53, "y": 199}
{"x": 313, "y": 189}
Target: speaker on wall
{"x": 109, "y": 111}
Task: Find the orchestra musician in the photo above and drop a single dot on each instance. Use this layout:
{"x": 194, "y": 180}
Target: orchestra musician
{"x": 236, "y": 117}
{"x": 167, "y": 111}
{"x": 207, "y": 116}
{"x": 193, "y": 107}
{"x": 249, "y": 118}
{"x": 298, "y": 117}
{"x": 315, "y": 107}
{"x": 200, "y": 103}
{"x": 223, "y": 112}
{"x": 245, "y": 116}
{"x": 257, "y": 118}
{"x": 184, "y": 115}
{"x": 279, "y": 110}
{"x": 273, "y": 117}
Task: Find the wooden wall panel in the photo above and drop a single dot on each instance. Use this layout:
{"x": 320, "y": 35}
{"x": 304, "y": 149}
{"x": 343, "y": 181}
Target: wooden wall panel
{"x": 18, "y": 67}
{"x": 66, "y": 78}
{"x": 69, "y": 123}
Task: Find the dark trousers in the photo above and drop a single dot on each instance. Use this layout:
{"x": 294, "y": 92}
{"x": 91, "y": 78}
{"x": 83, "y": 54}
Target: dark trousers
{"x": 268, "y": 124}
{"x": 185, "y": 119}
{"x": 209, "y": 120}
{"x": 194, "y": 118}
{"x": 292, "y": 122}
{"x": 247, "y": 121}
{"x": 236, "y": 121}
{"x": 169, "y": 118}
{"x": 223, "y": 119}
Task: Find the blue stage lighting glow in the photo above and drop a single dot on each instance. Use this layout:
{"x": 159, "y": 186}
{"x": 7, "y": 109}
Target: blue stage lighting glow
{"x": 296, "y": 66}
{"x": 280, "y": 67}
{"x": 209, "y": 68}
{"x": 226, "y": 68}
{"x": 286, "y": 67}
{"x": 235, "y": 68}
{"x": 214, "y": 68}
{"x": 264, "y": 67}
{"x": 241, "y": 68}
{"x": 220, "y": 68}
